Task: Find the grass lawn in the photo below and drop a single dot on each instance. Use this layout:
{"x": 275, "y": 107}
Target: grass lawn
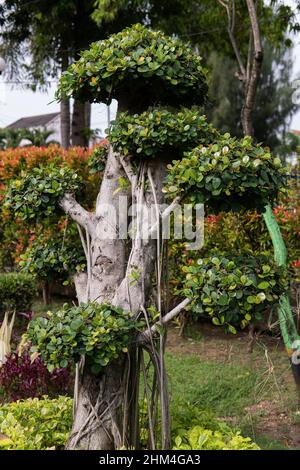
{"x": 212, "y": 371}
{"x": 255, "y": 392}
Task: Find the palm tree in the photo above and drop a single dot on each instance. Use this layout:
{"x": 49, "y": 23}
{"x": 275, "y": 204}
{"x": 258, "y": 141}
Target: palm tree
{"x": 39, "y": 137}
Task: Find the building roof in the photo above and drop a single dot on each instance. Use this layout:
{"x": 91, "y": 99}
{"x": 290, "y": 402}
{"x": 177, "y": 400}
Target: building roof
{"x": 295, "y": 132}
{"x": 33, "y": 121}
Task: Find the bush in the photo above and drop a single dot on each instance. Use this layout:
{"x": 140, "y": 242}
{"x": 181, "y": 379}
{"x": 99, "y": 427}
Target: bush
{"x": 55, "y": 256}
{"x": 198, "y": 438}
{"x": 21, "y": 378}
{"x": 233, "y": 290}
{"x": 98, "y": 332}
{"x": 36, "y": 424}
{"x": 37, "y": 192}
{"x": 158, "y": 131}
{"x": 228, "y": 174}
{"x": 137, "y": 59}
{"x": 17, "y": 291}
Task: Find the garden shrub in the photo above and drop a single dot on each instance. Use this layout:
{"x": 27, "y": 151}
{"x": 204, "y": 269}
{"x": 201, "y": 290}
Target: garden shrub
{"x": 41, "y": 424}
{"x": 159, "y": 131}
{"x": 36, "y": 424}
{"x": 97, "y": 159}
{"x": 17, "y": 291}
{"x": 198, "y": 438}
{"x": 38, "y": 191}
{"x": 136, "y": 58}
{"x": 54, "y": 256}
{"x": 21, "y": 377}
{"x": 98, "y": 332}
{"x": 229, "y": 174}
{"x": 233, "y": 291}
{"x": 17, "y": 234}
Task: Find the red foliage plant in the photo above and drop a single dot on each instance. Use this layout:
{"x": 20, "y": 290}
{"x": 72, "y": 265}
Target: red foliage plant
{"x": 20, "y": 378}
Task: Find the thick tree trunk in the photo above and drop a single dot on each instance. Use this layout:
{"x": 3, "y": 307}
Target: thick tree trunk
{"x": 98, "y": 417}
{"x": 65, "y": 127}
{"x": 110, "y": 279}
{"x": 46, "y": 293}
{"x": 79, "y": 124}
{"x": 65, "y": 117}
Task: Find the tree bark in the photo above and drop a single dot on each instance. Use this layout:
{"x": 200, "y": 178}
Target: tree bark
{"x": 65, "y": 127}
{"x": 65, "y": 117}
{"x": 79, "y": 124}
{"x": 46, "y": 293}
{"x": 98, "y": 416}
{"x": 250, "y": 73}
{"x": 254, "y": 68}
{"x": 111, "y": 280}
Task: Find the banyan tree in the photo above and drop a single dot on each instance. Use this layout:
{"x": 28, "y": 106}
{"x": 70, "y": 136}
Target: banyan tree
{"x": 162, "y": 153}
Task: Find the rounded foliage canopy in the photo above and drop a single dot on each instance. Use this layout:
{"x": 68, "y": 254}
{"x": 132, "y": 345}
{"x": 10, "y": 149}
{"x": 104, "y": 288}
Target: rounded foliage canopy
{"x": 98, "y": 332}
{"x": 229, "y": 174}
{"x": 133, "y": 60}
{"x": 37, "y": 193}
{"x": 234, "y": 290}
{"x": 158, "y": 130}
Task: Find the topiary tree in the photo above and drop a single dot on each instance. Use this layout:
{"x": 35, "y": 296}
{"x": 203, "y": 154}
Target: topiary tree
{"x": 154, "y": 78}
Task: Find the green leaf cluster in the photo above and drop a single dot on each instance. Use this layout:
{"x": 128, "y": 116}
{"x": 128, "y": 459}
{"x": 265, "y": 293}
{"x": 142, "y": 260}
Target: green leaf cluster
{"x": 198, "y": 438}
{"x": 98, "y": 332}
{"x": 97, "y": 160}
{"x": 37, "y": 192}
{"x": 35, "y": 424}
{"x": 233, "y": 291}
{"x": 136, "y": 59}
{"x": 228, "y": 174}
{"x": 158, "y": 131}
{"x": 17, "y": 291}
{"x": 54, "y": 257}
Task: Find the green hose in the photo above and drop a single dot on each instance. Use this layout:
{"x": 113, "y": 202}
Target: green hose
{"x": 285, "y": 314}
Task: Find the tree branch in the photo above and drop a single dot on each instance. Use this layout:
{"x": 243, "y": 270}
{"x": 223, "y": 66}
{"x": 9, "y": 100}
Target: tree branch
{"x": 144, "y": 336}
{"x": 230, "y": 30}
{"x": 164, "y": 216}
{"x": 71, "y": 207}
{"x": 254, "y": 68}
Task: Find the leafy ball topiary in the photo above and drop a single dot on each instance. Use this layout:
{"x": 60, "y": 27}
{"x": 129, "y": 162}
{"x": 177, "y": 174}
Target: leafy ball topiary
{"x": 228, "y": 175}
{"x": 159, "y": 131}
{"x": 37, "y": 192}
{"x": 133, "y": 60}
{"x": 98, "y": 332}
{"x": 54, "y": 257}
{"x": 233, "y": 290}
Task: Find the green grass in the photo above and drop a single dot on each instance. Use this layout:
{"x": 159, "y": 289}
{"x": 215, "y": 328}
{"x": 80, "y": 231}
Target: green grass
{"x": 224, "y": 389}
{"x": 203, "y": 390}
{"x": 39, "y": 308}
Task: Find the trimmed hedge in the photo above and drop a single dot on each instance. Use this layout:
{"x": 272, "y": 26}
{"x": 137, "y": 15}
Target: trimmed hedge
{"x": 35, "y": 424}
{"x": 17, "y": 291}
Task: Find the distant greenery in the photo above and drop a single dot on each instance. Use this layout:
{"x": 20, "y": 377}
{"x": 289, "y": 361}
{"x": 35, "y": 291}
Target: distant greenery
{"x": 17, "y": 291}
{"x": 12, "y": 138}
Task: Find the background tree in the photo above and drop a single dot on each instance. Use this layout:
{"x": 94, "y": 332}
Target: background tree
{"x": 250, "y": 59}
{"x": 40, "y": 39}
{"x": 274, "y": 105}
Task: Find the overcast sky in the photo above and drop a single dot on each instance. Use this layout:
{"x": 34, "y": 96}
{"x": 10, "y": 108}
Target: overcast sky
{"x": 17, "y": 102}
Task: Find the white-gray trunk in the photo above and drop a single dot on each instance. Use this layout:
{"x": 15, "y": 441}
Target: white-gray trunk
{"x": 117, "y": 278}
